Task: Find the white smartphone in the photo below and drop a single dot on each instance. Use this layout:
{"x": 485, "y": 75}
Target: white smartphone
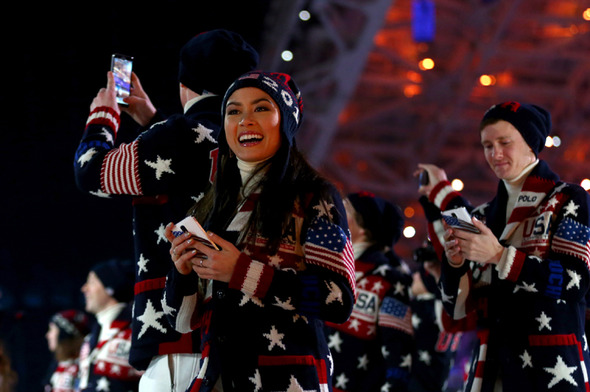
{"x": 459, "y": 218}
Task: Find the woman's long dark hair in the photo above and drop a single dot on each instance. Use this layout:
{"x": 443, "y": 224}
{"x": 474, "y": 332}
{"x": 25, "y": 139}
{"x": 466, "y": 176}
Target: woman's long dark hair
{"x": 287, "y": 178}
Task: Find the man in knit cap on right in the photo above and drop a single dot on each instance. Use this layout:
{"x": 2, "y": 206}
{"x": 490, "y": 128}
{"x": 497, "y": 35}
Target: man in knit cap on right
{"x": 524, "y": 277}
{"x": 166, "y": 168}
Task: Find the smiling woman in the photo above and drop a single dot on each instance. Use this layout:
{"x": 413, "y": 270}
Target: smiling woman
{"x": 252, "y": 125}
{"x": 285, "y": 262}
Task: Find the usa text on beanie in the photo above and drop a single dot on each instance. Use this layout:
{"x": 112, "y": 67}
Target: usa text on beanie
{"x": 212, "y": 60}
{"x": 532, "y": 121}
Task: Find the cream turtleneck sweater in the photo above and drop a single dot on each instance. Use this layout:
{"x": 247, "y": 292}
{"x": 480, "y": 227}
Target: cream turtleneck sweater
{"x": 514, "y": 186}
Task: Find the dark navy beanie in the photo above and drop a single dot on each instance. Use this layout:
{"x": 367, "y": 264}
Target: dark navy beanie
{"x": 282, "y": 89}
{"x": 71, "y": 323}
{"x": 212, "y": 60}
{"x": 532, "y": 121}
{"x": 118, "y": 278}
{"x": 383, "y": 219}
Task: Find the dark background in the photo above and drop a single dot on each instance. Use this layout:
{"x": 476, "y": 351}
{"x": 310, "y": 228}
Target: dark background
{"x": 55, "y": 62}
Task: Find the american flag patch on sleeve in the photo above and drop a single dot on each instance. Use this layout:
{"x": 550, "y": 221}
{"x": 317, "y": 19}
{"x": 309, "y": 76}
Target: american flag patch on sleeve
{"x": 395, "y": 314}
{"x": 573, "y": 238}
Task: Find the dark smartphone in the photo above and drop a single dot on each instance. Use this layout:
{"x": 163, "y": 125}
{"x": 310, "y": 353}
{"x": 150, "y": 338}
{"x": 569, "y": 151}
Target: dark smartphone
{"x": 423, "y": 179}
{"x": 121, "y": 66}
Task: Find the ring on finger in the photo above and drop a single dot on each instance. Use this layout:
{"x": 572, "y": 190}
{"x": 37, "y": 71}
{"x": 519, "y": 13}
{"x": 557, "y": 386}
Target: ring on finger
{"x": 201, "y": 263}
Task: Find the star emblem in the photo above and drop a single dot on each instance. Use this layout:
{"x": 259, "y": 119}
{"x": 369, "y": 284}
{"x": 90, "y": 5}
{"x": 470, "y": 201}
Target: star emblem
{"x": 406, "y": 361}
{"x": 275, "y": 339}
{"x": 424, "y": 356}
{"x": 363, "y": 362}
{"x": 86, "y": 157}
{"x": 324, "y": 209}
{"x": 294, "y": 386}
{"x": 561, "y": 372}
{"x": 543, "y": 321}
{"x": 354, "y": 323}
{"x": 103, "y": 384}
{"x": 552, "y": 203}
{"x": 382, "y": 269}
{"x": 204, "y": 133}
{"x": 341, "y": 381}
{"x": 335, "y": 341}
{"x": 160, "y": 233}
{"x": 284, "y": 304}
{"x": 384, "y": 352}
{"x": 256, "y": 381}
{"x": 571, "y": 208}
{"x": 527, "y": 360}
{"x": 142, "y": 264}
{"x": 275, "y": 261}
{"x": 335, "y": 293}
{"x": 415, "y": 320}
{"x": 377, "y": 286}
{"x": 399, "y": 288}
{"x": 526, "y": 287}
{"x": 161, "y": 166}
{"x": 167, "y": 309}
{"x": 248, "y": 298}
{"x": 444, "y": 296}
{"x": 575, "y": 279}
{"x": 149, "y": 318}
{"x": 107, "y": 135}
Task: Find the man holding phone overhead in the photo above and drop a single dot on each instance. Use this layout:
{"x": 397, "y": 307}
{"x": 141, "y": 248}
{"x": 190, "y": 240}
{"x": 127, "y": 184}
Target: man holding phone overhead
{"x": 166, "y": 168}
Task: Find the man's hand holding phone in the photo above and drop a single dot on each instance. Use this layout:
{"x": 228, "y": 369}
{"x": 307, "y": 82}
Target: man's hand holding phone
{"x": 106, "y": 96}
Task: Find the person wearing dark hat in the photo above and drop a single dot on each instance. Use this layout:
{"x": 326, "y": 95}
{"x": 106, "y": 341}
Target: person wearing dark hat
{"x": 65, "y": 335}
{"x": 104, "y": 355}
{"x": 525, "y": 277}
{"x": 371, "y": 351}
{"x": 284, "y": 263}
{"x": 165, "y": 169}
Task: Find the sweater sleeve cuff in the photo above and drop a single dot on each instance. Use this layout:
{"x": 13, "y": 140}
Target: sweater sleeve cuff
{"x": 252, "y": 277}
{"x": 104, "y": 115}
{"x": 442, "y": 194}
{"x": 510, "y": 264}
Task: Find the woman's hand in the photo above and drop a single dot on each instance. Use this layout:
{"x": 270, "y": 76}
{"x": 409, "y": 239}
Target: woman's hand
{"x": 483, "y": 247}
{"x": 193, "y": 254}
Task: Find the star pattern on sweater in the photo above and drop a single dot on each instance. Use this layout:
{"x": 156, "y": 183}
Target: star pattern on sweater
{"x": 444, "y": 296}
{"x": 149, "y": 318}
{"x": 526, "y": 287}
{"x": 363, "y": 362}
{"x": 142, "y": 264}
{"x": 275, "y": 261}
{"x": 160, "y": 232}
{"x": 161, "y": 166}
{"x": 294, "y": 386}
{"x": 341, "y": 381}
{"x": 543, "y": 321}
{"x": 335, "y": 342}
{"x": 100, "y": 193}
{"x": 249, "y": 298}
{"x": 424, "y": 356}
{"x": 204, "y": 133}
{"x": 561, "y": 372}
{"x": 571, "y": 209}
{"x": 416, "y": 321}
{"x": 86, "y": 157}
{"x": 575, "y": 279}
{"x": 354, "y": 323}
{"x": 103, "y": 384}
{"x": 287, "y": 305}
{"x": 324, "y": 209}
{"x": 382, "y": 270}
{"x": 335, "y": 293}
{"x": 275, "y": 338}
{"x": 399, "y": 288}
{"x": 107, "y": 136}
{"x": 165, "y": 308}
{"x": 255, "y": 379}
{"x": 406, "y": 361}
{"x": 527, "y": 360}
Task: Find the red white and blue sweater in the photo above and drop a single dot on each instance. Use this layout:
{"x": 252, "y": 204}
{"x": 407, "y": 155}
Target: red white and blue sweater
{"x": 372, "y": 351}
{"x": 165, "y": 169}
{"x": 530, "y": 307}
{"x": 264, "y": 330}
